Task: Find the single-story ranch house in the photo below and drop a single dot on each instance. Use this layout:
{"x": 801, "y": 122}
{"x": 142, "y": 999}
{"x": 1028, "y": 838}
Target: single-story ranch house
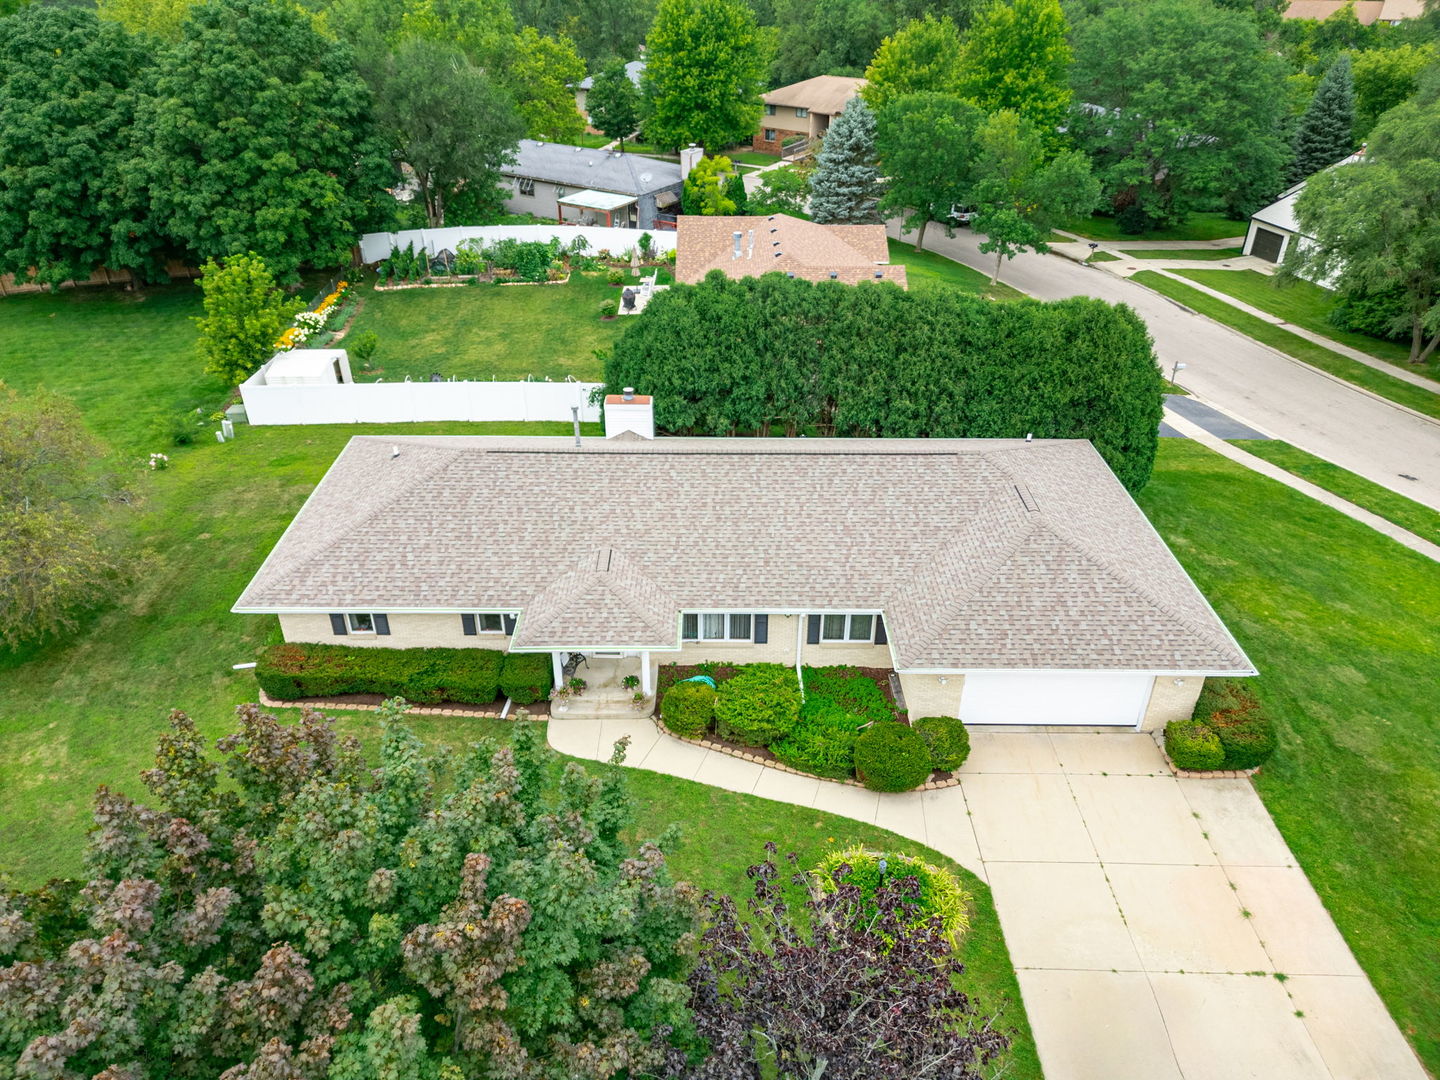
{"x": 634, "y": 69}
{"x": 1274, "y": 228}
{"x": 796, "y": 115}
{"x": 582, "y": 186}
{"x": 750, "y": 246}
{"x": 1005, "y": 581}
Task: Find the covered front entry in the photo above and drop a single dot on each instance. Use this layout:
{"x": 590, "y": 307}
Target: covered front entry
{"x": 1042, "y": 699}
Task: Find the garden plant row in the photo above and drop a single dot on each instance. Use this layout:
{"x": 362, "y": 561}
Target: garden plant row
{"x": 842, "y": 727}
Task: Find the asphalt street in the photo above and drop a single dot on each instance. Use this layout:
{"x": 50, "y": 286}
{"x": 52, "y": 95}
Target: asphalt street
{"x": 1257, "y": 386}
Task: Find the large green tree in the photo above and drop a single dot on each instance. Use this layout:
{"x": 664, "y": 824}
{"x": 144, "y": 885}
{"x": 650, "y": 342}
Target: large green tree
{"x": 926, "y": 146}
{"x": 542, "y": 73}
{"x": 1019, "y": 196}
{"x": 1017, "y": 57}
{"x": 286, "y": 909}
{"x": 159, "y": 18}
{"x": 245, "y": 314}
{"x": 69, "y": 85}
{"x": 601, "y": 29}
{"x": 845, "y": 185}
{"x": 59, "y": 553}
{"x": 1176, "y": 100}
{"x": 1386, "y": 77}
{"x": 1375, "y": 223}
{"x": 259, "y": 137}
{"x": 449, "y": 122}
{"x": 923, "y": 56}
{"x": 1326, "y": 131}
{"x": 706, "y": 65}
{"x": 827, "y": 37}
{"x": 614, "y": 103}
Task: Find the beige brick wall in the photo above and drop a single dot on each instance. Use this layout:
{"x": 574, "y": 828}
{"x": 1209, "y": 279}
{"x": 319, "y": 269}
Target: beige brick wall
{"x": 924, "y": 696}
{"x": 779, "y": 648}
{"x": 1171, "y": 702}
{"x": 406, "y": 632}
{"x": 829, "y": 653}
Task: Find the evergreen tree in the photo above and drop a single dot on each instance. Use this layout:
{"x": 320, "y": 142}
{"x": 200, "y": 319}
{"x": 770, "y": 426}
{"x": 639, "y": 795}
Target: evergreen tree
{"x": 845, "y": 185}
{"x": 735, "y": 192}
{"x": 1326, "y": 132}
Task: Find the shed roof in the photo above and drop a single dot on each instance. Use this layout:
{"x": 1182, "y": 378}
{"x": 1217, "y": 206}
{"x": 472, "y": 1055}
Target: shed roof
{"x": 582, "y": 167}
{"x": 822, "y": 94}
{"x": 981, "y": 554}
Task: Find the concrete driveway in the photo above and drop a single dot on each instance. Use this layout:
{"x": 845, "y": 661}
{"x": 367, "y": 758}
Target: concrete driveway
{"x": 1316, "y": 412}
{"x": 1147, "y": 917}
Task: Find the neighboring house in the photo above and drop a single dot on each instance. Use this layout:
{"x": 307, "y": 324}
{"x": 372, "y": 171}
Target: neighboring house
{"x": 1367, "y": 12}
{"x": 590, "y": 187}
{"x": 750, "y": 246}
{"x": 1274, "y": 228}
{"x": 635, "y": 69}
{"x": 802, "y": 112}
{"x": 1005, "y": 581}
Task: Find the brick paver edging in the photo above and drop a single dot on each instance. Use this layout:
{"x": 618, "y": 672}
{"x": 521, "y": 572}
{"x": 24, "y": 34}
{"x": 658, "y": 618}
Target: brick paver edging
{"x": 417, "y": 710}
{"x": 721, "y": 748}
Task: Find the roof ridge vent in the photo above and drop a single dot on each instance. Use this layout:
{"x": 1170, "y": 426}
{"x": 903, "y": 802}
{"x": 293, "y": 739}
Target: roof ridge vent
{"x": 1026, "y": 499}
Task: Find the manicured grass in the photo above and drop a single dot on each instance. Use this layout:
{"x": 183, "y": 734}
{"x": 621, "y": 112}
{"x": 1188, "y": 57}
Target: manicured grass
{"x": 1344, "y": 625}
{"x": 752, "y": 157}
{"x": 1305, "y": 305}
{"x": 1208, "y": 226}
{"x": 1193, "y": 254}
{"x": 926, "y": 270}
{"x": 125, "y": 358}
{"x": 1102, "y": 256}
{"x": 1417, "y": 398}
{"x": 594, "y": 141}
{"x": 1407, "y": 513}
{"x": 490, "y": 331}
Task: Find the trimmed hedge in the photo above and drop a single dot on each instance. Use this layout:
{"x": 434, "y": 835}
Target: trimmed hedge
{"x": 889, "y": 756}
{"x": 947, "y": 739}
{"x": 688, "y": 707}
{"x": 526, "y": 678}
{"x": 823, "y": 742}
{"x": 1193, "y": 746}
{"x": 1230, "y": 709}
{"x": 941, "y": 896}
{"x": 760, "y": 704}
{"x": 423, "y": 676}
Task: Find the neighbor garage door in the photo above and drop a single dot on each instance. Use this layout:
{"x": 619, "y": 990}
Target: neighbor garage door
{"x": 1001, "y": 698}
{"x": 1267, "y": 244}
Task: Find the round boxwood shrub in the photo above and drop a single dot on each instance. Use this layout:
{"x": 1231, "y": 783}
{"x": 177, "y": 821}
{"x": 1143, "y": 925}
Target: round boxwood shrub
{"x": 822, "y": 743}
{"x": 758, "y": 705}
{"x": 1230, "y": 709}
{"x": 891, "y": 757}
{"x": 688, "y": 707}
{"x": 940, "y": 894}
{"x": 1193, "y": 746}
{"x": 947, "y": 739}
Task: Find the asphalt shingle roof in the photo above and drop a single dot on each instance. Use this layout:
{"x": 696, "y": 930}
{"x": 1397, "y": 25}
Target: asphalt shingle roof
{"x": 853, "y": 253}
{"x": 580, "y": 167}
{"x": 980, "y": 553}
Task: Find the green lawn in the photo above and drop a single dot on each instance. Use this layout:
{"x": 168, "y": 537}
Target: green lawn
{"x": 1344, "y": 625}
{"x": 1208, "y": 226}
{"x": 1417, "y": 398}
{"x": 752, "y": 157}
{"x": 1305, "y": 305}
{"x": 1407, "y": 513}
{"x": 1102, "y": 256}
{"x": 491, "y": 331}
{"x": 925, "y": 270}
{"x": 1195, "y": 254}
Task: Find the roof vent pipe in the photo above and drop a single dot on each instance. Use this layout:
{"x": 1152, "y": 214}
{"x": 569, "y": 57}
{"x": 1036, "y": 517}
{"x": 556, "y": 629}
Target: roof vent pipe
{"x": 575, "y": 419}
{"x": 738, "y": 237}
{"x": 752, "y": 245}
{"x": 628, "y": 393}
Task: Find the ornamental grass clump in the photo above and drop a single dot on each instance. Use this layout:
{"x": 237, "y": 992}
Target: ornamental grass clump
{"x": 760, "y": 704}
{"x": 940, "y": 895}
{"x": 890, "y": 756}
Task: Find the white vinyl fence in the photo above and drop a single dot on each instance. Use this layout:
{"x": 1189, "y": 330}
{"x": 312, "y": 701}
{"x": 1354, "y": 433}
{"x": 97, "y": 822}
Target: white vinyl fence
{"x": 375, "y": 247}
{"x": 405, "y": 402}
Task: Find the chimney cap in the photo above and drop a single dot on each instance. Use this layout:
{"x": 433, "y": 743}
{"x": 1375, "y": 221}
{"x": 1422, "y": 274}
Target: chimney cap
{"x": 629, "y": 393}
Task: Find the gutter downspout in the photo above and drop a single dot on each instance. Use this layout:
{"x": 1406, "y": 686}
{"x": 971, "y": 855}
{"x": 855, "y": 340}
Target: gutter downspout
{"x": 799, "y": 656}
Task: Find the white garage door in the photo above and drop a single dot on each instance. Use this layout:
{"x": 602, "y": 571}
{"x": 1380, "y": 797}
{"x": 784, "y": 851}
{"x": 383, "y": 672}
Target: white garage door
{"x": 1001, "y": 698}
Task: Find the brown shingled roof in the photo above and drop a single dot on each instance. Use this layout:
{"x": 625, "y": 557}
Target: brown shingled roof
{"x": 791, "y": 245}
{"x": 823, "y": 94}
{"x": 981, "y": 554}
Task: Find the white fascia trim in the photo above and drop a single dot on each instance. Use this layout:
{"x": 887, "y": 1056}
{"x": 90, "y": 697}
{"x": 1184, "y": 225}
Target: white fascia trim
{"x": 547, "y": 649}
{"x": 342, "y": 608}
{"x": 1148, "y": 672}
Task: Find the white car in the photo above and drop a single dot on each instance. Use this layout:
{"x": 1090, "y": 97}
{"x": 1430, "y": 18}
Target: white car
{"x": 962, "y": 215}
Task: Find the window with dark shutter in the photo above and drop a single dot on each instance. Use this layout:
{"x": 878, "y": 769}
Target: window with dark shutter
{"x": 880, "y": 637}
{"x": 337, "y": 625}
{"x": 762, "y": 629}
{"x": 467, "y": 625}
{"x": 382, "y": 624}
{"x": 812, "y": 630}
{"x": 509, "y": 624}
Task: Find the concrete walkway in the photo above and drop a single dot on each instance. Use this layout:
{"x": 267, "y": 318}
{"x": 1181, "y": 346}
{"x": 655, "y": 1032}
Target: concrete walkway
{"x": 1187, "y": 428}
{"x": 1156, "y": 245}
{"x": 1146, "y": 916}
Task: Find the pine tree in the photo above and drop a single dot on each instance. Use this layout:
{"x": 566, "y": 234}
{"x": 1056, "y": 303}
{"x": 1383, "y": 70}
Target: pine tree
{"x": 735, "y": 192}
{"x": 846, "y": 184}
{"x": 1326, "y": 132}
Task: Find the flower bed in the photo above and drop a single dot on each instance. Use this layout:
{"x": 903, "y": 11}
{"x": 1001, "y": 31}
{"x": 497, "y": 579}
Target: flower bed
{"x": 310, "y": 323}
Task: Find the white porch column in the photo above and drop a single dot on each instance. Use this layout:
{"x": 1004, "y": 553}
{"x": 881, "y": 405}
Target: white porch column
{"x": 645, "y": 680}
{"x": 558, "y": 668}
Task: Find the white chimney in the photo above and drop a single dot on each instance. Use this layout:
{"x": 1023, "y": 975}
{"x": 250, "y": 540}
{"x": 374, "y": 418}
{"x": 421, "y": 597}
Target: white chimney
{"x": 689, "y": 158}
{"x": 738, "y": 235}
{"x": 629, "y": 411}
